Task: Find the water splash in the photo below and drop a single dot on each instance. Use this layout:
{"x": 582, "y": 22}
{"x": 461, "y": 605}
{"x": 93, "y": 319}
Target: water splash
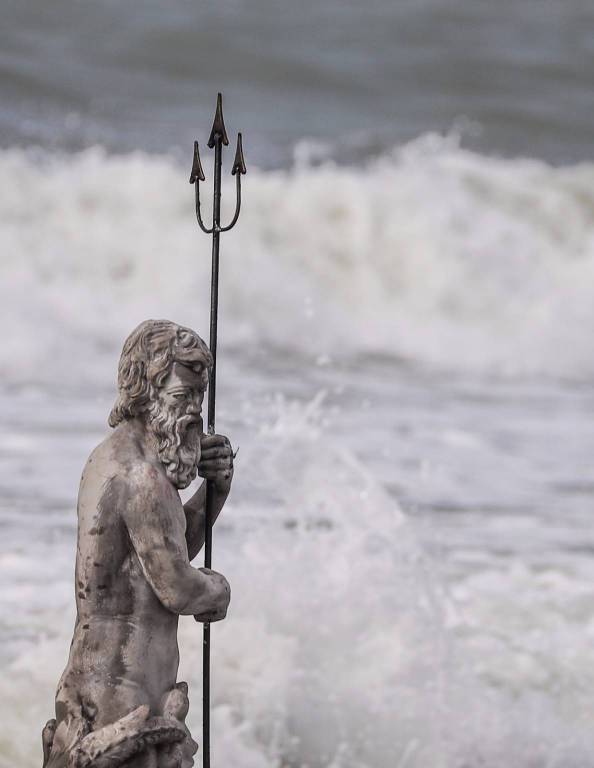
{"x": 432, "y": 253}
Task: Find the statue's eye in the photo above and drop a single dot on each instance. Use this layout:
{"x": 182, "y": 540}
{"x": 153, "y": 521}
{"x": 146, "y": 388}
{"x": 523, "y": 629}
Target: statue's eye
{"x": 179, "y": 395}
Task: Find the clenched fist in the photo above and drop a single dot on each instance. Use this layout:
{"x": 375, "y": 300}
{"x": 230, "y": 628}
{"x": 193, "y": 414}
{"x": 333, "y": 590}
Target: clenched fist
{"x": 216, "y": 461}
{"x": 218, "y": 594}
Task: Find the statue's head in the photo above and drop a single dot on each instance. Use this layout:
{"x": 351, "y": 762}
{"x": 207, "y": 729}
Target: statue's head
{"x": 162, "y": 377}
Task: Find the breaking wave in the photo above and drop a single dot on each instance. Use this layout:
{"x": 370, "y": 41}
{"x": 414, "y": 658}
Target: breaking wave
{"x": 433, "y": 254}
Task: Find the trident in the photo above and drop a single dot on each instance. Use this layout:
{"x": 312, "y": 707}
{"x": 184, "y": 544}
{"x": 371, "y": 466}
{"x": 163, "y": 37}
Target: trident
{"x": 218, "y": 138}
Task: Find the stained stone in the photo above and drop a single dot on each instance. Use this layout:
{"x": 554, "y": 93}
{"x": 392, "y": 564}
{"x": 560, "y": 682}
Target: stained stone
{"x": 118, "y": 702}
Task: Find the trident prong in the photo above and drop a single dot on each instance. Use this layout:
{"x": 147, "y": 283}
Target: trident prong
{"x": 218, "y": 139}
{"x": 218, "y": 125}
{"x": 238, "y": 170}
{"x": 196, "y": 176}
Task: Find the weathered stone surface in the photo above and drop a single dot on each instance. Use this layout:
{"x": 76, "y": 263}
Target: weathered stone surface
{"x": 118, "y": 702}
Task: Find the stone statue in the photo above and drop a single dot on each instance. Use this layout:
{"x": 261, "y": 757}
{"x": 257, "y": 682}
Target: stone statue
{"x": 118, "y": 702}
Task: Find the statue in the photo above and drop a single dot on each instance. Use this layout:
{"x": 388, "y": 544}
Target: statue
{"x": 118, "y": 702}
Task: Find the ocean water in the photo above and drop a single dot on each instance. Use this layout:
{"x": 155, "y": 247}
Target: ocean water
{"x": 515, "y": 76}
{"x": 405, "y": 361}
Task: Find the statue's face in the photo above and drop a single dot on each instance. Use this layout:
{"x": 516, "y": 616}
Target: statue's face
{"x": 175, "y": 417}
{"x": 183, "y": 392}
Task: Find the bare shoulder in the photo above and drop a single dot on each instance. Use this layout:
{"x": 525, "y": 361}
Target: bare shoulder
{"x": 118, "y": 454}
{"x": 119, "y": 462}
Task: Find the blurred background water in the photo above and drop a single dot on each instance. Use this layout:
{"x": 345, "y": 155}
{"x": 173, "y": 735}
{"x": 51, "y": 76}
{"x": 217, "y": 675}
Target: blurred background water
{"x": 406, "y": 363}
{"x": 515, "y": 75}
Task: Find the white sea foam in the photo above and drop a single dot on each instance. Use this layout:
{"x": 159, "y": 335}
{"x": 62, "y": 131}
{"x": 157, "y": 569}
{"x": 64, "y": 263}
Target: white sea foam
{"x": 312, "y": 671}
{"x": 341, "y": 650}
{"x": 353, "y": 651}
{"x": 433, "y": 253}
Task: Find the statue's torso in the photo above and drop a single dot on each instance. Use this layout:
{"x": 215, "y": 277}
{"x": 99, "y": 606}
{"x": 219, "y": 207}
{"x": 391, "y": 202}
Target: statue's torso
{"x": 124, "y": 651}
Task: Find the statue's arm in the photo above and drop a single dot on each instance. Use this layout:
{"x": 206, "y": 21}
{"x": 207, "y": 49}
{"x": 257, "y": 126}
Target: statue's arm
{"x": 195, "y": 512}
{"x": 216, "y": 464}
{"x": 155, "y": 525}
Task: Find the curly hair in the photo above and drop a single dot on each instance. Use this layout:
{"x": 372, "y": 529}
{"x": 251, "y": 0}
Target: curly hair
{"x": 147, "y": 359}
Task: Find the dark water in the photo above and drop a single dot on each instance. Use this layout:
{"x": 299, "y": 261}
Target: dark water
{"x": 515, "y": 76}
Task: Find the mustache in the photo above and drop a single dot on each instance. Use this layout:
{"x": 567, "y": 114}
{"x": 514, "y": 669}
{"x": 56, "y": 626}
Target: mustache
{"x": 188, "y": 420}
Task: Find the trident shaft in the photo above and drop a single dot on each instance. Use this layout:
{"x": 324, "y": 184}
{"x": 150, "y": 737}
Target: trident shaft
{"x": 218, "y": 139}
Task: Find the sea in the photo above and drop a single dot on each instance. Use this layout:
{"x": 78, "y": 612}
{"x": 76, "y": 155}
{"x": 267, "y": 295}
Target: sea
{"x": 405, "y": 359}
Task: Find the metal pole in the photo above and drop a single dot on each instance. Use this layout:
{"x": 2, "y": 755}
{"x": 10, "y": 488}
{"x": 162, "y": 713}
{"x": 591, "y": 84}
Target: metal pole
{"x": 212, "y": 393}
{"x": 218, "y": 138}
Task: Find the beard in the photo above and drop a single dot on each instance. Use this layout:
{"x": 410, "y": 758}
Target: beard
{"x": 177, "y": 435}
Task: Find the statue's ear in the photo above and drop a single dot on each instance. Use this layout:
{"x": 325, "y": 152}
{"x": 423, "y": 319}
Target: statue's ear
{"x": 134, "y": 379}
{"x": 134, "y": 389}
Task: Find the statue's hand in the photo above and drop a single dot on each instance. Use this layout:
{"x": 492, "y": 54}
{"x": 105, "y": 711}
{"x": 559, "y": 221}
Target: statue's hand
{"x": 216, "y": 461}
{"x": 219, "y": 594}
